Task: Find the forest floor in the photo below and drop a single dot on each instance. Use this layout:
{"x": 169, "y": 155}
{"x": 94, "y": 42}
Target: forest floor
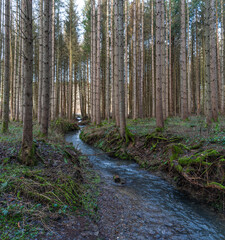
{"x": 57, "y": 198}
{"x": 63, "y": 197}
{"x": 190, "y": 152}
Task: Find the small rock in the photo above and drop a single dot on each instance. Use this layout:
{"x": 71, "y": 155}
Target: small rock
{"x": 117, "y": 179}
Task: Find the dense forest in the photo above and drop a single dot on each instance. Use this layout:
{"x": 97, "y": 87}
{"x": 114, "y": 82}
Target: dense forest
{"x": 143, "y": 79}
{"x": 122, "y": 59}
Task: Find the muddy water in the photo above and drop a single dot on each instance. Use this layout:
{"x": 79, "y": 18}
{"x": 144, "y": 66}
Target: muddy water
{"x": 159, "y": 211}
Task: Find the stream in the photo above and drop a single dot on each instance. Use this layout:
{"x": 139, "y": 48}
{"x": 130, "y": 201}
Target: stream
{"x": 158, "y": 210}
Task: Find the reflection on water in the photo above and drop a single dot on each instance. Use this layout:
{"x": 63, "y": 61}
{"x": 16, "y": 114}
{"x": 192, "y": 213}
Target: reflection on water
{"x": 162, "y": 211}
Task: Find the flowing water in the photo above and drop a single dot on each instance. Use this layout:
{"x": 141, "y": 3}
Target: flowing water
{"x": 162, "y": 211}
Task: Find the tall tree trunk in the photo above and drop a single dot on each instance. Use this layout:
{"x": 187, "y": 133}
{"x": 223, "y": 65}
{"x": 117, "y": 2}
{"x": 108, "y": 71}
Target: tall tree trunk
{"x": 134, "y": 64}
{"x": 183, "y": 66}
{"x": 121, "y": 69}
{"x": 91, "y": 65}
{"x": 94, "y": 63}
{"x": 166, "y": 62}
{"x": 70, "y": 72}
{"x": 126, "y": 58}
{"x": 53, "y": 60}
{"x": 58, "y": 70}
{"x": 188, "y": 62}
{"x": 207, "y": 63}
{"x": 112, "y": 61}
{"x": 213, "y": 68}
{"x": 40, "y": 76}
{"x": 163, "y": 58}
{"x": 197, "y": 68}
{"x": 19, "y": 71}
{"x": 1, "y": 41}
{"x": 50, "y": 56}
{"x": 11, "y": 95}
{"x": 218, "y": 59}
{"x": 170, "y": 63}
{"x": 142, "y": 61}
{"x": 153, "y": 61}
{"x": 6, "y": 69}
{"x": 98, "y": 77}
{"x": 116, "y": 63}
{"x": 46, "y": 79}
{"x": 107, "y": 112}
{"x": 159, "y": 109}
{"x": 222, "y": 57}
{"x": 27, "y": 151}
{"x": 15, "y": 76}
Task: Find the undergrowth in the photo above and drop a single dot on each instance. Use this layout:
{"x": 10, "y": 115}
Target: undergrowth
{"x": 32, "y": 198}
{"x": 63, "y": 125}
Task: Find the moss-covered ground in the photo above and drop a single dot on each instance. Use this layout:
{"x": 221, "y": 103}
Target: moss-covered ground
{"x": 191, "y": 152}
{"x": 59, "y": 186}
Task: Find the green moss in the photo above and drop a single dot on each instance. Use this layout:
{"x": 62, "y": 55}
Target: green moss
{"x": 197, "y": 146}
{"x": 158, "y": 129}
{"x": 189, "y": 170}
{"x": 217, "y": 184}
{"x": 63, "y": 125}
{"x": 122, "y": 154}
{"x": 156, "y": 136}
{"x": 179, "y": 168}
{"x": 29, "y": 156}
{"x": 177, "y": 150}
{"x": 4, "y": 127}
{"x": 130, "y": 137}
{"x": 184, "y": 160}
{"x": 201, "y": 157}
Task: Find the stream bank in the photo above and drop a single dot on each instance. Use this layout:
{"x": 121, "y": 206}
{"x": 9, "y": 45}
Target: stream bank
{"x": 146, "y": 206}
{"x": 192, "y": 159}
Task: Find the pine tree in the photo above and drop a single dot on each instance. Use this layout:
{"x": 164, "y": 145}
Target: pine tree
{"x": 183, "y": 66}
{"x": 159, "y": 109}
{"x": 27, "y": 151}
{"x": 6, "y": 68}
{"x": 46, "y": 79}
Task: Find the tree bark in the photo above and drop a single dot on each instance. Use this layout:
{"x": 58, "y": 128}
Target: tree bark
{"x": 207, "y": 64}
{"x": 46, "y": 79}
{"x": 98, "y": 80}
{"x": 134, "y": 64}
{"x": 107, "y": 112}
{"x": 159, "y": 109}
{"x": 163, "y": 59}
{"x": 121, "y": 69}
{"x": 222, "y": 56}
{"x": 40, "y": 76}
{"x": 27, "y": 151}
{"x": 126, "y": 58}
{"x": 7, "y": 69}
{"x": 183, "y": 66}
{"x": 112, "y": 61}
{"x": 188, "y": 62}
{"x": 213, "y": 68}
{"x": 53, "y": 60}
{"x": 170, "y": 63}
{"x": 153, "y": 60}
{"x": 15, "y": 76}
{"x": 116, "y": 63}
